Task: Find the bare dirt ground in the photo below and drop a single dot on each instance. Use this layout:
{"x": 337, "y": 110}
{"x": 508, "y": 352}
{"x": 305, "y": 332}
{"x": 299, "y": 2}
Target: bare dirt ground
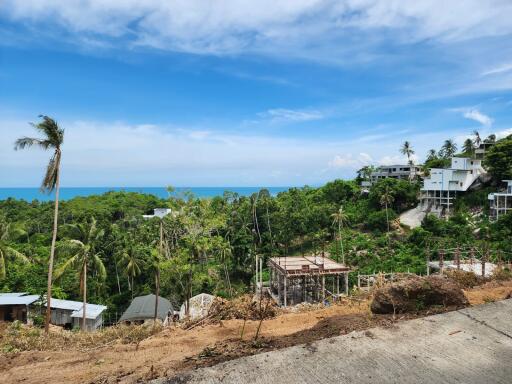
{"x": 174, "y": 350}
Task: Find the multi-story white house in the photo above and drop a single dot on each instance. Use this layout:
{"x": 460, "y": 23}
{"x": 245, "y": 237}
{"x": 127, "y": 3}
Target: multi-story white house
{"x": 501, "y": 202}
{"x": 442, "y": 186}
{"x": 402, "y": 172}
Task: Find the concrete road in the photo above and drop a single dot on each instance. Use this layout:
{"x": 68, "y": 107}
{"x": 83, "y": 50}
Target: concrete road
{"x": 473, "y": 345}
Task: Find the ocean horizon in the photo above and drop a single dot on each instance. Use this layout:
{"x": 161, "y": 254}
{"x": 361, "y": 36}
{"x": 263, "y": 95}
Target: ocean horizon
{"x": 68, "y": 193}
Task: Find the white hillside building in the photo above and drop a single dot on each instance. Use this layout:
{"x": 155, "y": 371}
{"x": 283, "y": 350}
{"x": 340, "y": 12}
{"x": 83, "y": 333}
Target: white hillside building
{"x": 158, "y": 212}
{"x": 501, "y": 202}
{"x": 397, "y": 171}
{"x": 441, "y": 187}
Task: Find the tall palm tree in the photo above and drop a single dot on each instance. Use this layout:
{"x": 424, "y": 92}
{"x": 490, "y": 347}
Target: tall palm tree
{"x": 131, "y": 260}
{"x": 468, "y": 147}
{"x": 338, "y": 218}
{"x": 477, "y": 139}
{"x": 8, "y": 253}
{"x": 387, "y": 199}
{"x": 83, "y": 256}
{"x": 449, "y": 148}
{"x": 407, "y": 150}
{"x": 53, "y": 138}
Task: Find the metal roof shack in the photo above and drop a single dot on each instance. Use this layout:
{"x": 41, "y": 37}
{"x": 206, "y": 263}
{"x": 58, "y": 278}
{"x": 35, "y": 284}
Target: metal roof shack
{"x": 69, "y": 313}
{"x": 16, "y": 306}
{"x": 297, "y": 279}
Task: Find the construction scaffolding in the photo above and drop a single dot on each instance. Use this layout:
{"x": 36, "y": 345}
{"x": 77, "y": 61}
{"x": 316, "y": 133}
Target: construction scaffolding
{"x": 299, "y": 279}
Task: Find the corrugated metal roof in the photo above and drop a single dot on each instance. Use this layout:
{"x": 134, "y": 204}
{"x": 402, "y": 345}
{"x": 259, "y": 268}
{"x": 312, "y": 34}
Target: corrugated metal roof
{"x": 12, "y": 293}
{"x": 17, "y": 299}
{"x": 92, "y": 311}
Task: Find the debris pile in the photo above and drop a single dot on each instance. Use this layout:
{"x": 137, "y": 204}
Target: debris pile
{"x": 244, "y": 308}
{"x": 417, "y": 293}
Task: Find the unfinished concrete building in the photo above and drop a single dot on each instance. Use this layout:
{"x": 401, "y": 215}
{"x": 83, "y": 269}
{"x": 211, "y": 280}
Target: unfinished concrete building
{"x": 298, "y": 279}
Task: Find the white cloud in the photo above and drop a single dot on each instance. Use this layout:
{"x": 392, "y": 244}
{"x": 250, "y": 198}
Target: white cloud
{"x": 349, "y": 161}
{"x": 290, "y": 115}
{"x": 475, "y": 115}
{"x": 234, "y": 26}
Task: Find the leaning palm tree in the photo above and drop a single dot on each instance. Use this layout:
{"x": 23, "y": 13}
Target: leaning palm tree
{"x": 468, "y": 147}
{"x": 8, "y": 253}
{"x": 53, "y": 138}
{"x": 449, "y": 148}
{"x": 338, "y": 218}
{"x": 83, "y": 256}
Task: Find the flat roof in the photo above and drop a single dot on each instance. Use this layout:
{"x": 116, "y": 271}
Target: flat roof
{"x": 305, "y": 265}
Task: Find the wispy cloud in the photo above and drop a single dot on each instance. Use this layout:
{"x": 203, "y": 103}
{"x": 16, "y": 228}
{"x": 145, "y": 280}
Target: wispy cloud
{"x": 475, "y": 115}
{"x": 350, "y": 161}
{"x": 499, "y": 69}
{"x": 291, "y": 115}
{"x": 230, "y": 27}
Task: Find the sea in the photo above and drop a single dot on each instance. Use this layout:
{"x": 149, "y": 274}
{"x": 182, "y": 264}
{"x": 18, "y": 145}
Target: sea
{"x": 67, "y": 193}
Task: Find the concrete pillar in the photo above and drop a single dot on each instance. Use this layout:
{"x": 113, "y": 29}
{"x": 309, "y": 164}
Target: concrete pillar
{"x": 338, "y": 285}
{"x": 323, "y": 287}
{"x": 346, "y": 283}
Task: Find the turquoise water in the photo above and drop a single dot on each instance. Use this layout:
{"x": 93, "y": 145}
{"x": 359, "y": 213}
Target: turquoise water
{"x": 30, "y": 194}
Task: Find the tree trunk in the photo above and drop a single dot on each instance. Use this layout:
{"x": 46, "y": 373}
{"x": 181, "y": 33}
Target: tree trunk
{"x": 341, "y": 243}
{"x": 84, "y": 317}
{"x": 52, "y": 252}
{"x": 157, "y": 275}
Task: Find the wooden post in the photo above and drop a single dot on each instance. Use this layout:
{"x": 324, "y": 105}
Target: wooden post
{"x": 323, "y": 287}
{"x": 441, "y": 261}
{"x": 346, "y": 283}
{"x": 279, "y": 287}
{"x": 338, "y": 285}
{"x": 261, "y": 274}
{"x": 285, "y": 298}
{"x": 457, "y": 257}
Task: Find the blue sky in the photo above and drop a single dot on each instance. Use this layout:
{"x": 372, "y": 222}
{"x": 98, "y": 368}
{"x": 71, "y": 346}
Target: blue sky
{"x": 234, "y": 93}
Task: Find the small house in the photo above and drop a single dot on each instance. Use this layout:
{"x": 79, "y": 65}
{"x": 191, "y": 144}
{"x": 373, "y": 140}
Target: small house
{"x": 142, "y": 308}
{"x": 69, "y": 314}
{"x": 16, "y": 306}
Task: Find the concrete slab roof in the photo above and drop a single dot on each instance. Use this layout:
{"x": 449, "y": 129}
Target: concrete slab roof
{"x": 305, "y": 265}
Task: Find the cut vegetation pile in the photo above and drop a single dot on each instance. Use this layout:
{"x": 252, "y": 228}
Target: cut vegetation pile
{"x": 417, "y": 293}
{"x": 243, "y": 308}
{"x": 17, "y": 337}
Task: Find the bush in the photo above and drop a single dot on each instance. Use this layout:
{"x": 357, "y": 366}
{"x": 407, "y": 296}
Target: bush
{"x": 378, "y": 220}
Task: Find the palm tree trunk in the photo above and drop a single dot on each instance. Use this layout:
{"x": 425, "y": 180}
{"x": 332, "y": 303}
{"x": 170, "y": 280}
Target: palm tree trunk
{"x": 84, "y": 318}
{"x": 341, "y": 243}
{"x": 52, "y": 252}
{"x": 157, "y": 275}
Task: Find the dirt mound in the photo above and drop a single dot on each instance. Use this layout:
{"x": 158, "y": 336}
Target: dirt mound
{"x": 417, "y": 293}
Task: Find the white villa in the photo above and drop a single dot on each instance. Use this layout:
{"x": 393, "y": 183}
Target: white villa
{"x": 158, "y": 212}
{"x": 397, "y": 171}
{"x": 441, "y": 187}
{"x": 501, "y": 202}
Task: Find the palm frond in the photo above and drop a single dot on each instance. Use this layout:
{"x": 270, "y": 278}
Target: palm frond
{"x": 14, "y": 254}
{"x": 52, "y": 171}
{"x": 27, "y": 142}
{"x": 69, "y": 263}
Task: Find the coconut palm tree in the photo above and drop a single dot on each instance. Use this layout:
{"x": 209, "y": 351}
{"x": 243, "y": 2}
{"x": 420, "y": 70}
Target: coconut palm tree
{"x": 407, "y": 150}
{"x": 387, "y": 199}
{"x": 477, "y": 139}
{"x": 82, "y": 256}
{"x": 468, "y": 147}
{"x": 131, "y": 260}
{"x": 449, "y": 148}
{"x": 431, "y": 155}
{"x": 8, "y": 253}
{"x": 53, "y": 138}
{"x": 339, "y": 218}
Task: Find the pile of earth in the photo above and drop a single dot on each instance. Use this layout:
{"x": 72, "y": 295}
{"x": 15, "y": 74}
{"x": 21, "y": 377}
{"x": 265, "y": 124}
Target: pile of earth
{"x": 245, "y": 307}
{"x": 417, "y": 293}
